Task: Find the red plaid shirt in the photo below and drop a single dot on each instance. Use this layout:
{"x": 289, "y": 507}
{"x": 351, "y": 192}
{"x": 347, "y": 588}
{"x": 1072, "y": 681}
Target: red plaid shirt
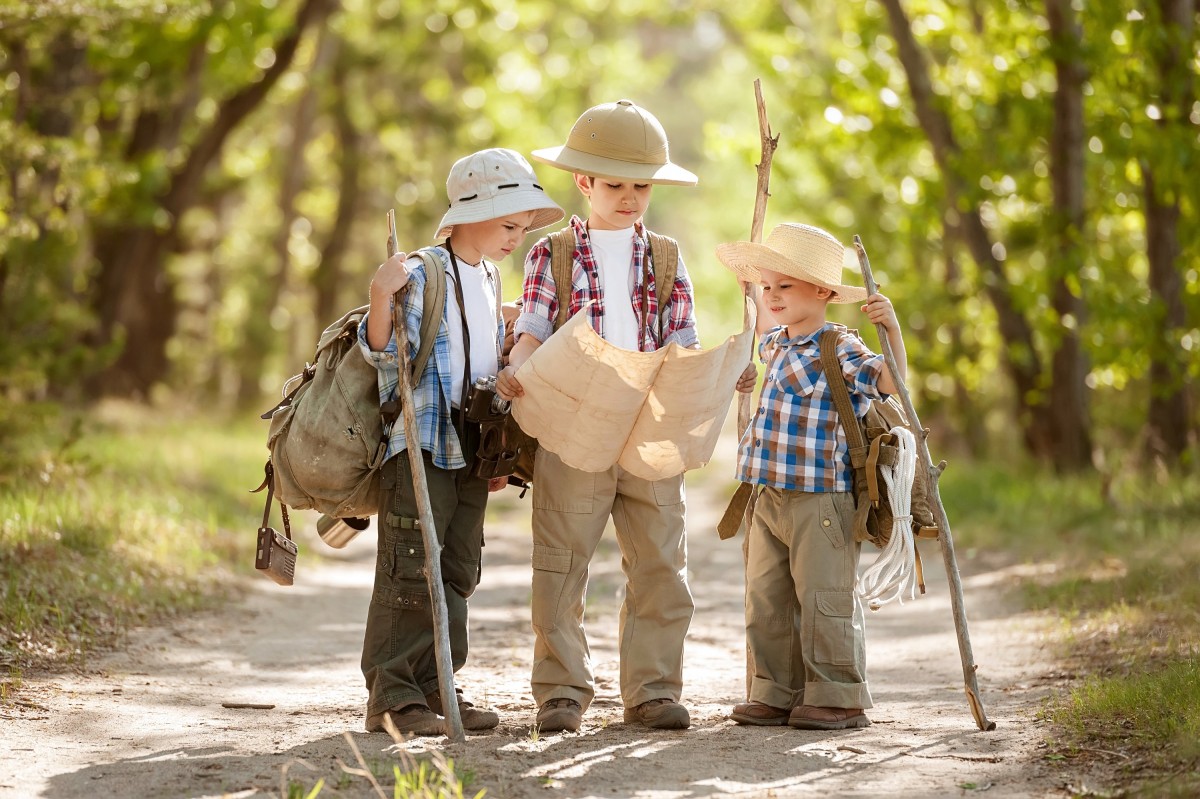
{"x": 540, "y": 300}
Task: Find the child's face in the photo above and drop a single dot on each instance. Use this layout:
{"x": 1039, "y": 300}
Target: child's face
{"x": 793, "y": 302}
{"x": 616, "y": 205}
{"x": 493, "y": 239}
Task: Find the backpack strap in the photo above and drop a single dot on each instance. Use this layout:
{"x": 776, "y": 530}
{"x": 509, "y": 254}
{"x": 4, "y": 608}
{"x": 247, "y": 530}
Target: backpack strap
{"x": 434, "y": 297}
{"x": 664, "y": 255}
{"x": 862, "y": 455}
{"x": 562, "y": 267}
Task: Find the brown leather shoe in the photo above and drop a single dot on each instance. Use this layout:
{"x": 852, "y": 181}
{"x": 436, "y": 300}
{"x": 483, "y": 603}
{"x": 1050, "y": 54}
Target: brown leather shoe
{"x": 659, "y": 714}
{"x": 759, "y": 714}
{"x": 472, "y": 717}
{"x": 556, "y": 715}
{"x": 412, "y": 719}
{"x": 808, "y": 717}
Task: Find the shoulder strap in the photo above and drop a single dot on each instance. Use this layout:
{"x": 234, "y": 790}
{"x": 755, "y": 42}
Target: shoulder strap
{"x": 562, "y": 268}
{"x": 664, "y": 254}
{"x": 434, "y": 297}
{"x": 837, "y": 388}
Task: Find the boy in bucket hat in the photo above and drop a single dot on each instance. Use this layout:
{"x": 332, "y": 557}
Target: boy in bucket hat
{"x": 810, "y": 666}
{"x": 495, "y": 200}
{"x": 617, "y": 152}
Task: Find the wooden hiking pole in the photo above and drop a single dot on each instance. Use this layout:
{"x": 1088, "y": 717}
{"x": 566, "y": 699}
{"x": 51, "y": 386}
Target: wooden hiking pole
{"x": 939, "y": 510}
{"x": 749, "y": 291}
{"x": 433, "y": 549}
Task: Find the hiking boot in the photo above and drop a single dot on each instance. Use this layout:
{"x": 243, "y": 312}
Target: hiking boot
{"x": 472, "y": 717}
{"x": 659, "y": 714}
{"x": 808, "y": 717}
{"x": 759, "y": 714}
{"x": 556, "y": 715}
{"x": 411, "y": 719}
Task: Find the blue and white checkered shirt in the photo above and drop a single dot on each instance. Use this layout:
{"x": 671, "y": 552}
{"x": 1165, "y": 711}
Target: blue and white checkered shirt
{"x": 795, "y": 440}
{"x": 431, "y": 395}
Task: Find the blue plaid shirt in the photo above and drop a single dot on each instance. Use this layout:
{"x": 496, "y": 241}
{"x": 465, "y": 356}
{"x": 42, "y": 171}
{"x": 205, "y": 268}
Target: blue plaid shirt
{"x": 431, "y": 395}
{"x": 795, "y": 440}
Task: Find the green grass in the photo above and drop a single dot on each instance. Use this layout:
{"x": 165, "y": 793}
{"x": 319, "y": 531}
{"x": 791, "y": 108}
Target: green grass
{"x": 1124, "y": 575}
{"x": 117, "y": 518}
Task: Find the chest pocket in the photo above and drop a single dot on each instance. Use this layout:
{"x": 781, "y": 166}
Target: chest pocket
{"x": 794, "y": 378}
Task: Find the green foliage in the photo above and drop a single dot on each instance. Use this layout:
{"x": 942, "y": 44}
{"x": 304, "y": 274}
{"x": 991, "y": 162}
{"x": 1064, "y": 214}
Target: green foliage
{"x": 105, "y": 101}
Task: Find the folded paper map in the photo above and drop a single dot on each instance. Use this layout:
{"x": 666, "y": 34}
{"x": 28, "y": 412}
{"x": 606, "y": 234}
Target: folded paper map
{"x": 655, "y": 414}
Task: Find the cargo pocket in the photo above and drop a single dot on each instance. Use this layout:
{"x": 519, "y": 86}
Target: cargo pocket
{"x": 408, "y": 559}
{"x": 832, "y": 521}
{"x": 668, "y": 492}
{"x": 567, "y": 491}
{"x": 833, "y": 628}
{"x": 550, "y": 569}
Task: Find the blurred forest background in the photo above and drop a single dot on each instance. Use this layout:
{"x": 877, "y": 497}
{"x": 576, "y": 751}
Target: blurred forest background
{"x": 191, "y": 191}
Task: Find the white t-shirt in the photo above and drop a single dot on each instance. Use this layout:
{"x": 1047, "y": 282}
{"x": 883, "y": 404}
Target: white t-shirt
{"x": 614, "y": 261}
{"x": 479, "y": 299}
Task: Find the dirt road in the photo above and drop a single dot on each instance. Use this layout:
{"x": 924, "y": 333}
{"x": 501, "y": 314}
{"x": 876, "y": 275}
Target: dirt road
{"x": 149, "y": 720}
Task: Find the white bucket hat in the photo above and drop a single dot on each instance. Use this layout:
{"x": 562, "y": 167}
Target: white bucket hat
{"x": 619, "y": 141}
{"x": 493, "y": 183}
{"x": 802, "y": 251}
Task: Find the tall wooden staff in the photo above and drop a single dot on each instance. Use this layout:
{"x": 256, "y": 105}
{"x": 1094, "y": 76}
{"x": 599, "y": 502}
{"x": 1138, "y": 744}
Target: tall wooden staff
{"x": 939, "y": 510}
{"x": 433, "y": 549}
{"x": 750, "y": 292}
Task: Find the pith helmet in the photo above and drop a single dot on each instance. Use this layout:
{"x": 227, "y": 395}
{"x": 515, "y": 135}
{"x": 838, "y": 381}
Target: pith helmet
{"x": 619, "y": 141}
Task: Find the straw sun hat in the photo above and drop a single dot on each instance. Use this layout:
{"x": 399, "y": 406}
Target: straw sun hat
{"x": 801, "y": 251}
{"x": 493, "y": 183}
{"x": 618, "y": 141}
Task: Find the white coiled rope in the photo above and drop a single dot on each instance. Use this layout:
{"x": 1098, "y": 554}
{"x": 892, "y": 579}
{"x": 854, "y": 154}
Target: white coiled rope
{"x": 894, "y": 570}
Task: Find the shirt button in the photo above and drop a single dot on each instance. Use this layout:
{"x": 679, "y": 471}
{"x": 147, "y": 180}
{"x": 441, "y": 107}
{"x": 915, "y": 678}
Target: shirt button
{"x": 758, "y": 442}
{"x": 390, "y": 358}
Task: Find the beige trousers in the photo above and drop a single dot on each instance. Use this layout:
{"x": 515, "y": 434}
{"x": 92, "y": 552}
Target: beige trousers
{"x": 570, "y": 511}
{"x": 804, "y": 622}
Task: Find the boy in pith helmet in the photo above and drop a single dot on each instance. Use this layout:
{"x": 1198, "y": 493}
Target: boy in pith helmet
{"x": 801, "y": 549}
{"x": 617, "y": 152}
{"x": 495, "y": 199}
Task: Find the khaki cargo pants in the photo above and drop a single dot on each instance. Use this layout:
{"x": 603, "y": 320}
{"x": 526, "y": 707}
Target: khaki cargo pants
{"x": 399, "y": 658}
{"x": 570, "y": 511}
{"x": 804, "y": 623}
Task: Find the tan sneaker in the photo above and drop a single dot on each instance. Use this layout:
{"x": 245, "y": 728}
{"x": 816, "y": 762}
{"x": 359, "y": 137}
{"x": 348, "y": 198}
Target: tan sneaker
{"x": 472, "y": 717}
{"x": 808, "y": 717}
{"x": 556, "y": 715}
{"x": 659, "y": 714}
{"x": 412, "y": 719}
{"x": 759, "y": 714}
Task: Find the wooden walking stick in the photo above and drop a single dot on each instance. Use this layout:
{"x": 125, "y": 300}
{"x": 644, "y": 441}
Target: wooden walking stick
{"x": 741, "y": 507}
{"x": 745, "y": 492}
{"x": 939, "y": 510}
{"x": 433, "y": 549}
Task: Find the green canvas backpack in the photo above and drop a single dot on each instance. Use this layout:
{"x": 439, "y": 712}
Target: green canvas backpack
{"x": 329, "y": 434}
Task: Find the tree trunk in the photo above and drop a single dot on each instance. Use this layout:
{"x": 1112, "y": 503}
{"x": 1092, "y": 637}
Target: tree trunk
{"x": 136, "y": 300}
{"x": 1168, "y": 422}
{"x": 257, "y": 332}
{"x": 328, "y": 275}
{"x": 1068, "y": 395}
{"x": 1020, "y": 357}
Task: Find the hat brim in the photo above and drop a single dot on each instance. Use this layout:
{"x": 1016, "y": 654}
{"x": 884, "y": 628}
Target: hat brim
{"x": 747, "y": 258}
{"x": 573, "y": 160}
{"x": 516, "y": 201}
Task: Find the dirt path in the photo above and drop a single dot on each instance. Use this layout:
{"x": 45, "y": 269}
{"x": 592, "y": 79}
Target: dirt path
{"x": 149, "y": 721}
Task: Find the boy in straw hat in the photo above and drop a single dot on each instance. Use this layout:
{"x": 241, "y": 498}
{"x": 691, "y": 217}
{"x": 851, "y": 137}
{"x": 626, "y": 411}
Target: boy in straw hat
{"x": 495, "y": 200}
{"x": 617, "y": 152}
{"x": 810, "y": 665}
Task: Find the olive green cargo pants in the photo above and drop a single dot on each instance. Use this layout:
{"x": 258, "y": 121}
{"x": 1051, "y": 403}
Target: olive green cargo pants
{"x": 399, "y": 658}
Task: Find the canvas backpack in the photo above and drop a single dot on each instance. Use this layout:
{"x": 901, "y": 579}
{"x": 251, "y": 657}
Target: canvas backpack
{"x": 664, "y": 256}
{"x": 873, "y": 448}
{"x": 329, "y": 435}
